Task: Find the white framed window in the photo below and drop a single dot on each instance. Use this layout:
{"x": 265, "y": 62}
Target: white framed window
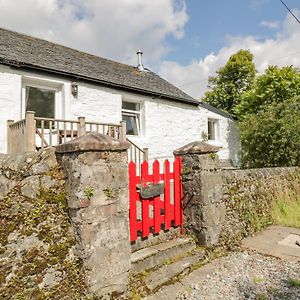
{"x": 42, "y": 97}
{"x": 131, "y": 114}
{"x": 212, "y": 129}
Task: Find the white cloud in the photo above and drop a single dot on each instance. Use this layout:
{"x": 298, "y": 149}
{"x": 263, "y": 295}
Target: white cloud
{"x": 109, "y": 28}
{"x": 270, "y": 25}
{"x": 282, "y": 50}
{"x": 117, "y": 28}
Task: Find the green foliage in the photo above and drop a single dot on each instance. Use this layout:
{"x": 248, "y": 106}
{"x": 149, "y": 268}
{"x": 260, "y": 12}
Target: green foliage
{"x": 89, "y": 192}
{"x": 273, "y": 87}
{"x": 185, "y": 171}
{"x": 231, "y": 81}
{"x": 108, "y": 192}
{"x": 286, "y": 210}
{"x": 213, "y": 155}
{"x": 269, "y": 117}
{"x": 44, "y": 218}
{"x": 252, "y": 205}
{"x": 271, "y": 137}
{"x": 268, "y": 108}
{"x": 261, "y": 297}
{"x": 294, "y": 282}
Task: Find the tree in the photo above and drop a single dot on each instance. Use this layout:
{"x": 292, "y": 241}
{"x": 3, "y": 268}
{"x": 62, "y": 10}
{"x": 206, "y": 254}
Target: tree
{"x": 236, "y": 77}
{"x": 271, "y": 138}
{"x": 269, "y": 117}
{"x": 274, "y": 86}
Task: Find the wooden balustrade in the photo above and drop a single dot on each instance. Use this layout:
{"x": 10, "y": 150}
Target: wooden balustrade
{"x": 137, "y": 155}
{"x": 33, "y": 133}
{"x": 20, "y": 135}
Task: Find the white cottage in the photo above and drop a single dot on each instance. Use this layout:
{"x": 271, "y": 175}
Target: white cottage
{"x": 61, "y": 83}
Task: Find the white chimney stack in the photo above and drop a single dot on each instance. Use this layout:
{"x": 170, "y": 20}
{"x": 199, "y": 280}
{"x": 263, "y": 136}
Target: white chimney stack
{"x": 140, "y": 62}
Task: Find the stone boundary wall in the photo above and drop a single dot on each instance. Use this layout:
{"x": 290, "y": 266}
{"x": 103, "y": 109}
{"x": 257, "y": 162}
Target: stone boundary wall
{"x": 64, "y": 225}
{"x": 249, "y": 195}
{"x": 37, "y": 241}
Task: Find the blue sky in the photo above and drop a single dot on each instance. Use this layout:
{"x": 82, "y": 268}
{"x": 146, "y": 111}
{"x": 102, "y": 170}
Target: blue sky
{"x": 212, "y": 21}
{"x": 185, "y": 41}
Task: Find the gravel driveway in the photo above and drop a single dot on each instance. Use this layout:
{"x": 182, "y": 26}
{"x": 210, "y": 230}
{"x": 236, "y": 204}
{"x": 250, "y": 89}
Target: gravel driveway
{"x": 243, "y": 275}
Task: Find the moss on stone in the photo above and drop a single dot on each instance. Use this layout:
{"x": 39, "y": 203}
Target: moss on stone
{"x": 249, "y": 200}
{"x": 44, "y": 223}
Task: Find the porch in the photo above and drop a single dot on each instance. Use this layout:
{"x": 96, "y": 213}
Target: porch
{"x": 35, "y": 133}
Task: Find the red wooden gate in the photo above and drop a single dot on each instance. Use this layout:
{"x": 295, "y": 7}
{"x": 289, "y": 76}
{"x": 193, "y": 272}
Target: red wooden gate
{"x": 160, "y": 212}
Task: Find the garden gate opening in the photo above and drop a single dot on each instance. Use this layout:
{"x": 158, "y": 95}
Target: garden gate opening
{"x": 155, "y": 198}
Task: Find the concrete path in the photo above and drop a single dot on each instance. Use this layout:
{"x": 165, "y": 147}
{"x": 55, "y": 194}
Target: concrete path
{"x": 278, "y": 241}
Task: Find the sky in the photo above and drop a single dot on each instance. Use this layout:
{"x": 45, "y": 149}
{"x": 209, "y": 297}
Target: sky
{"x": 184, "y": 41}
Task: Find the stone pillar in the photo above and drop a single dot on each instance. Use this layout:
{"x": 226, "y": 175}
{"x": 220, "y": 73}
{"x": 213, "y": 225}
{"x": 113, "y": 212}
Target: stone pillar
{"x": 204, "y": 211}
{"x": 96, "y": 172}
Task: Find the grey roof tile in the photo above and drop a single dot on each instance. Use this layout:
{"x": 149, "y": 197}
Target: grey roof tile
{"x": 29, "y": 52}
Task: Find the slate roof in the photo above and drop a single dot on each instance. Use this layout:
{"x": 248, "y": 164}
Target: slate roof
{"x": 24, "y": 51}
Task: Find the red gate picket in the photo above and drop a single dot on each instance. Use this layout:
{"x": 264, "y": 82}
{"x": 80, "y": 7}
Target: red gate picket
{"x": 161, "y": 208}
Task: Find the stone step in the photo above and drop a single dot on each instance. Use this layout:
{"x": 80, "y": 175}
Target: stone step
{"x": 177, "y": 289}
{"x": 226, "y": 164}
{"x": 155, "y": 256}
{"x": 169, "y": 273}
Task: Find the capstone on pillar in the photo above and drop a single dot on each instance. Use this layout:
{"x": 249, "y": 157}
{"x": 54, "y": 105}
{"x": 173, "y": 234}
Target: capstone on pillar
{"x": 204, "y": 211}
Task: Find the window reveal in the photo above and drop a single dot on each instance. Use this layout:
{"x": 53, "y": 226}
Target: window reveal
{"x": 212, "y": 129}
{"x": 131, "y": 115}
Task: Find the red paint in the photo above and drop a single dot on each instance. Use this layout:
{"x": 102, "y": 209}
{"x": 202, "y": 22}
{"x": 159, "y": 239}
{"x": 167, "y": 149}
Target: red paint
{"x": 158, "y": 210}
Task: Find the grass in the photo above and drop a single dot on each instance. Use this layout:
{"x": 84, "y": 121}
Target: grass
{"x": 286, "y": 211}
{"x": 258, "y": 280}
{"x": 294, "y": 282}
{"x": 261, "y": 297}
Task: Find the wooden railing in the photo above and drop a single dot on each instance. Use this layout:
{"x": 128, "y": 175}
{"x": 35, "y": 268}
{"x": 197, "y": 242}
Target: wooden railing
{"x": 33, "y": 133}
{"x": 137, "y": 154}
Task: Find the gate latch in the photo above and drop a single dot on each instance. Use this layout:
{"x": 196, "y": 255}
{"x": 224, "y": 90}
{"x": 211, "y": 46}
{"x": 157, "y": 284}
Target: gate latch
{"x": 151, "y": 191}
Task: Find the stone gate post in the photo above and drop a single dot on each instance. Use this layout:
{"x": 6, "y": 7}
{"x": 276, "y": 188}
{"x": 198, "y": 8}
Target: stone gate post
{"x": 96, "y": 171}
{"x": 203, "y": 209}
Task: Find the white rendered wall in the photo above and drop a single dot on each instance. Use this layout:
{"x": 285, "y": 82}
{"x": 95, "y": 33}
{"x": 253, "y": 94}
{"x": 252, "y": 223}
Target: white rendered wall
{"x": 165, "y": 125}
{"x": 169, "y": 125}
{"x": 96, "y": 104}
{"x": 10, "y": 108}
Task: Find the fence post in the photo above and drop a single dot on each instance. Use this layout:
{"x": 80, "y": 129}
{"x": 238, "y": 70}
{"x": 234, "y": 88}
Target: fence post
{"x": 145, "y": 154}
{"x": 29, "y": 144}
{"x": 123, "y": 131}
{"x": 81, "y": 128}
{"x": 9, "y": 137}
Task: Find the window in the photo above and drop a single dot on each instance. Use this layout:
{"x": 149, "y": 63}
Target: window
{"x": 44, "y": 97}
{"x": 131, "y": 115}
{"x": 212, "y": 129}
{"x": 41, "y": 101}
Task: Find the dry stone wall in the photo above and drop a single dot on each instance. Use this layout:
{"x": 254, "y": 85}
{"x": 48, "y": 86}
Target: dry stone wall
{"x": 37, "y": 258}
{"x": 249, "y": 196}
{"x": 223, "y": 206}
{"x": 64, "y": 226}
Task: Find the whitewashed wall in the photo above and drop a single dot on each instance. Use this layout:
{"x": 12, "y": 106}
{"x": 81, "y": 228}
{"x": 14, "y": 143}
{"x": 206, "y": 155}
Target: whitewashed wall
{"x": 166, "y": 125}
{"x": 96, "y": 104}
{"x": 10, "y": 108}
